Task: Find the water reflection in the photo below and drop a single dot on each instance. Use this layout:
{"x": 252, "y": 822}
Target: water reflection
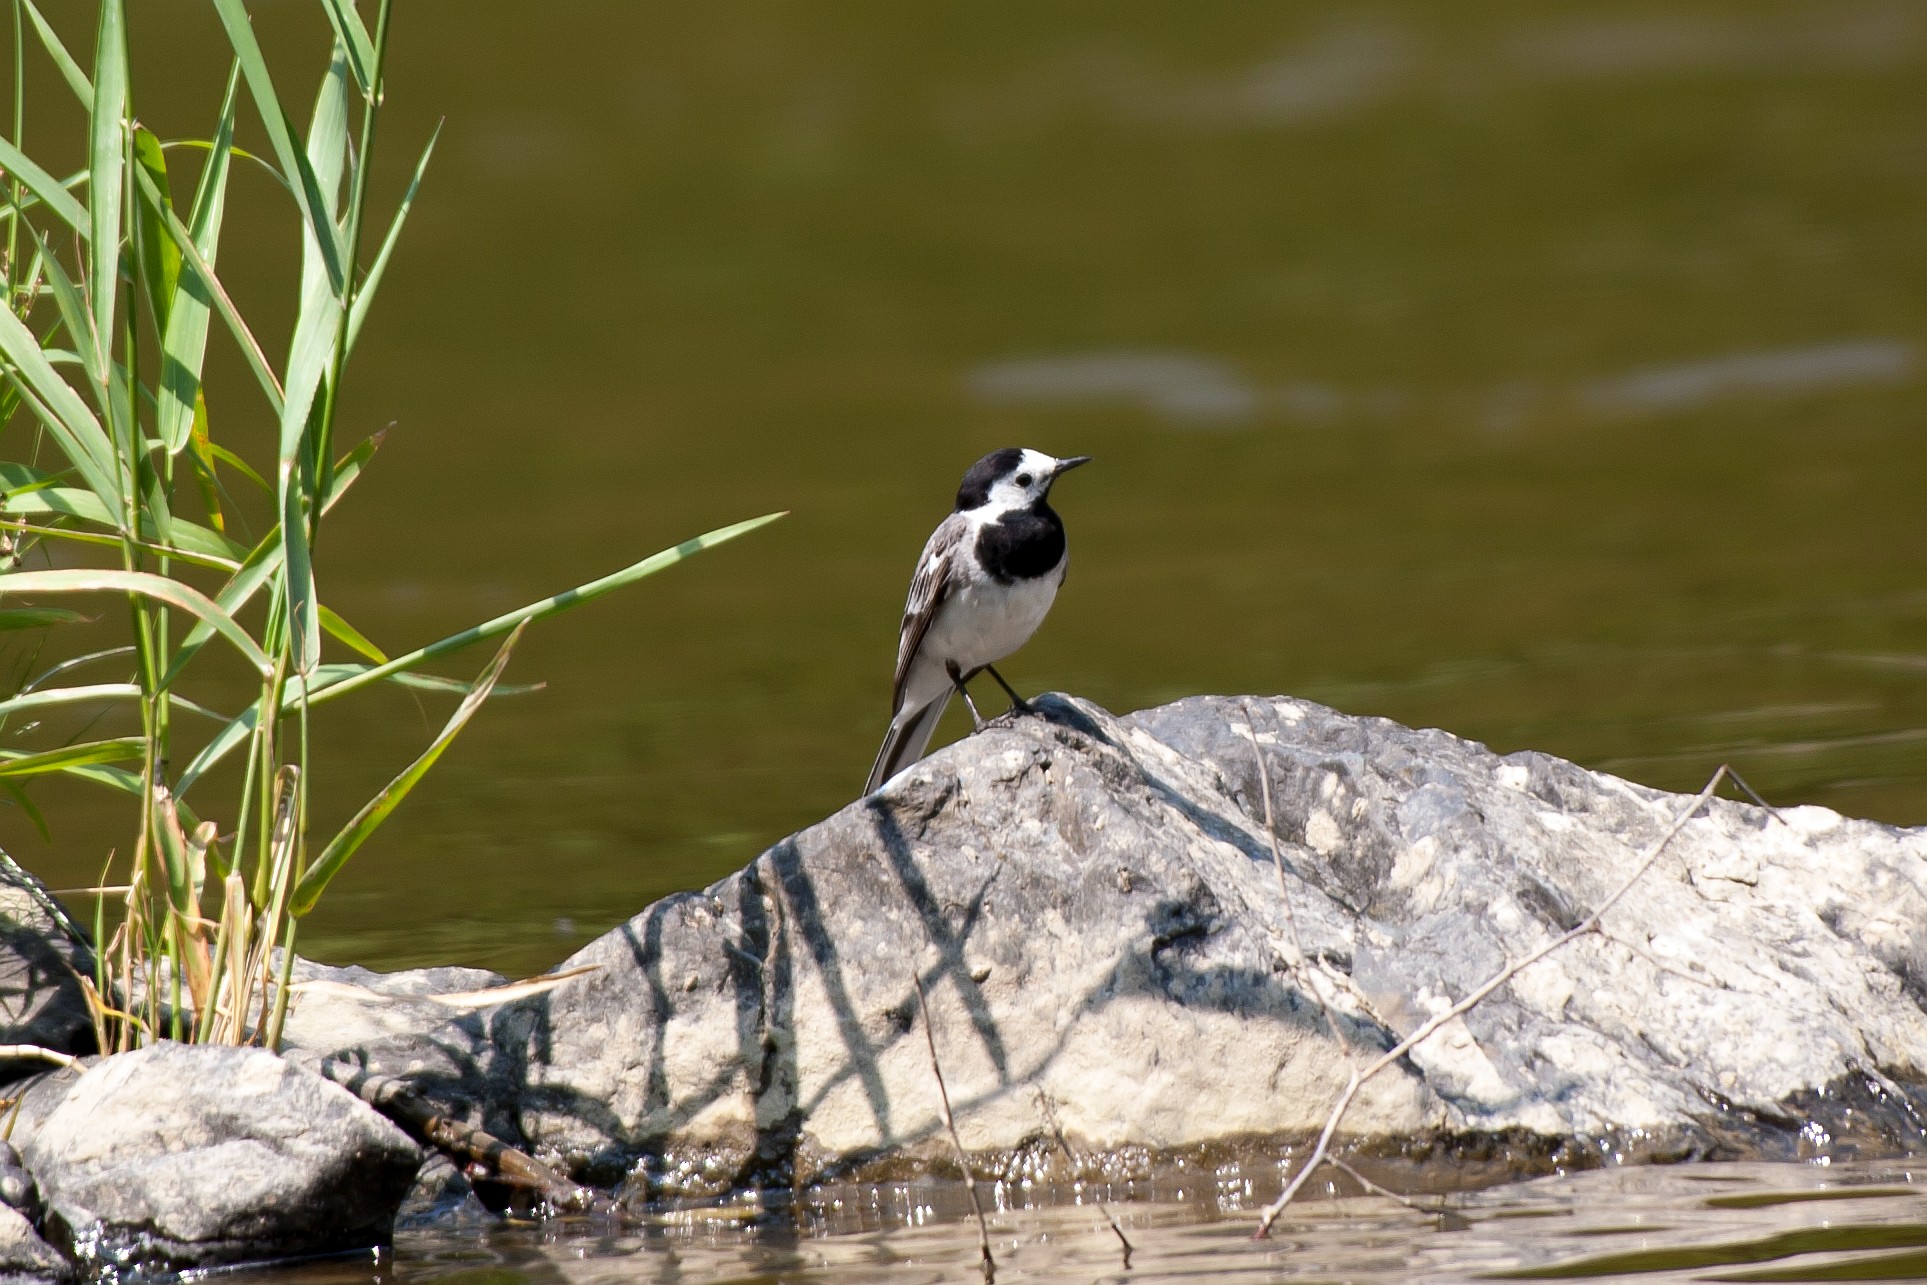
{"x": 1719, "y": 1222}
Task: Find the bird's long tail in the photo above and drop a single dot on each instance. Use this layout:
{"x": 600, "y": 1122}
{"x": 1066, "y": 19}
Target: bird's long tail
{"x": 908, "y": 737}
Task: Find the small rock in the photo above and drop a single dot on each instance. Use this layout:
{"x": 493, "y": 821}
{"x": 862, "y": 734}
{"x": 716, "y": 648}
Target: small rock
{"x": 17, "y": 1190}
{"x": 179, "y": 1156}
{"x": 23, "y": 1255}
{"x": 442, "y": 1197}
{"x": 42, "y": 957}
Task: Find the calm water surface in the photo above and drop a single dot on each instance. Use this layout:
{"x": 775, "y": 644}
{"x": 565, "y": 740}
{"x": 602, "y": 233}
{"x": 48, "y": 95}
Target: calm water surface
{"x": 1728, "y": 1222}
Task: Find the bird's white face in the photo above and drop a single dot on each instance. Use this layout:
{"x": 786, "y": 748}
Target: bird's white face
{"x": 1025, "y": 484}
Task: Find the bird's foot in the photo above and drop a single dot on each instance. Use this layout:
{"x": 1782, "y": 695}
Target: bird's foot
{"x": 1018, "y": 705}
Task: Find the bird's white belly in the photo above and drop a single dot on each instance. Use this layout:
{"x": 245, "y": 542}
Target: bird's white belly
{"x": 985, "y": 621}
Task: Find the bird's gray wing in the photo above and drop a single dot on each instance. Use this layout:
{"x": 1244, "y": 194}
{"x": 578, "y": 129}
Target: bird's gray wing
{"x": 929, "y": 589}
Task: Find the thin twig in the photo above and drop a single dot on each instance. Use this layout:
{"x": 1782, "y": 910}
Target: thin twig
{"x": 1377, "y": 1190}
{"x": 1753, "y": 794}
{"x": 508, "y": 1165}
{"x": 1590, "y": 924}
{"x": 1271, "y": 832}
{"x": 950, "y": 1123}
{"x": 1063, "y": 1143}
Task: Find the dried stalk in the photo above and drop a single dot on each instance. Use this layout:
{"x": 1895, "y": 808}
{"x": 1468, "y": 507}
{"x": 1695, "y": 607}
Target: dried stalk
{"x": 1377, "y": 1190}
{"x": 950, "y": 1123}
{"x": 1590, "y": 924}
{"x": 1064, "y": 1145}
{"x": 34, "y": 1053}
{"x": 1277, "y": 856}
{"x": 467, "y": 1144}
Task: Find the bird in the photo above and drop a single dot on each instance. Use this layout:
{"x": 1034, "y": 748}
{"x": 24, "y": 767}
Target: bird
{"x": 985, "y": 581}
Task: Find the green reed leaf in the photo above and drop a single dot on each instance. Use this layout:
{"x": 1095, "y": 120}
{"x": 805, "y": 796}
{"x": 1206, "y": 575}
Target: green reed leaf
{"x": 159, "y": 588}
{"x": 160, "y": 258}
{"x": 353, "y": 34}
{"x": 36, "y": 618}
{"x": 346, "y": 633}
{"x": 106, "y": 159}
{"x": 547, "y": 607}
{"x": 50, "y": 190}
{"x": 358, "y": 311}
{"x": 119, "y": 749}
{"x": 184, "y": 338}
{"x": 378, "y": 809}
{"x": 73, "y": 426}
{"x": 69, "y": 69}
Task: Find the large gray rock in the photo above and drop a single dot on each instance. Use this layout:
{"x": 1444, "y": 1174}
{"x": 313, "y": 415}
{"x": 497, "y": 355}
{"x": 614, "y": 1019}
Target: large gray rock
{"x": 1093, "y": 908}
{"x": 177, "y": 1156}
{"x": 42, "y": 956}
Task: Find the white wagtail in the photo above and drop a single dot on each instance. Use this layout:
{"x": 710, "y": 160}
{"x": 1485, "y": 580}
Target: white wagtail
{"x": 985, "y": 581}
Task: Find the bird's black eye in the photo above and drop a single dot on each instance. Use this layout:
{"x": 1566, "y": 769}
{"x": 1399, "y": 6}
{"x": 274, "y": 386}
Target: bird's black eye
{"x": 1023, "y": 479}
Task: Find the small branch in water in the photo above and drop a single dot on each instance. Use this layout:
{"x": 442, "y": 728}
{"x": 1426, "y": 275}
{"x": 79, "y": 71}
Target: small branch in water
{"x": 465, "y": 1143}
{"x": 1377, "y": 1190}
{"x": 1320, "y": 1153}
{"x": 1063, "y": 1143}
{"x": 950, "y": 1123}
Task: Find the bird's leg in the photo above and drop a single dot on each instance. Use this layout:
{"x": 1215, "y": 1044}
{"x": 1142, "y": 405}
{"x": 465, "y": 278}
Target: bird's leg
{"x": 957, "y": 681}
{"x": 1017, "y": 703}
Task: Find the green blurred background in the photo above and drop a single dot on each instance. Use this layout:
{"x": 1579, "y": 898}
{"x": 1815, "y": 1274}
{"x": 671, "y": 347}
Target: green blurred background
{"x": 1548, "y": 373}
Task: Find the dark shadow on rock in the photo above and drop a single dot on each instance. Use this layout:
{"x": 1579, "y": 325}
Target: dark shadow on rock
{"x": 948, "y": 941}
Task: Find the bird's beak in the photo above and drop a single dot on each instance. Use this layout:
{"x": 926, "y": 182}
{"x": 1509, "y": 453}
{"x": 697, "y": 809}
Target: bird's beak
{"x": 1065, "y": 466}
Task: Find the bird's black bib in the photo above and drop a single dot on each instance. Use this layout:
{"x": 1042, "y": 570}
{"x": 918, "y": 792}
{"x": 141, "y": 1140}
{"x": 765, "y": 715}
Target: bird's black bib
{"x": 1021, "y": 545}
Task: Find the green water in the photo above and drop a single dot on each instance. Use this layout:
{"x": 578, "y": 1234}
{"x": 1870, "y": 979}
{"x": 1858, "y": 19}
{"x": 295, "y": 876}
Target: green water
{"x": 1553, "y": 374}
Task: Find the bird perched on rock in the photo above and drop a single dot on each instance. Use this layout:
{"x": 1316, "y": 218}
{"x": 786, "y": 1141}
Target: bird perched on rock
{"x": 985, "y": 581}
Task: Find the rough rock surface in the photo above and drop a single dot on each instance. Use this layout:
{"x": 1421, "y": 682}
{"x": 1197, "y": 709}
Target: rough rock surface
{"x": 1093, "y": 908}
{"x": 42, "y": 956}
{"x": 26, "y": 1257}
{"x": 177, "y": 1156}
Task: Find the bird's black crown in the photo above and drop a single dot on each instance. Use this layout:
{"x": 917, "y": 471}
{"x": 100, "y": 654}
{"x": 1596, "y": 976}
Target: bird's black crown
{"x": 984, "y": 474}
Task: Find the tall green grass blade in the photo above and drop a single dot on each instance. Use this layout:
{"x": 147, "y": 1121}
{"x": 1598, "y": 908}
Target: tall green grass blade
{"x": 345, "y": 633}
{"x": 203, "y": 271}
{"x": 353, "y": 34}
{"x": 224, "y": 455}
{"x": 330, "y": 681}
{"x": 159, "y": 588}
{"x": 74, "y": 316}
{"x": 74, "y": 428}
{"x": 294, "y": 164}
{"x": 91, "y": 693}
{"x": 25, "y": 804}
{"x": 73, "y": 502}
{"x": 265, "y": 560}
{"x": 224, "y": 742}
{"x": 160, "y": 258}
{"x": 358, "y": 311}
{"x": 51, "y": 191}
{"x": 107, "y": 151}
{"x": 84, "y": 694}
{"x": 36, "y": 618}
{"x": 69, "y": 69}
{"x": 119, "y": 749}
{"x": 378, "y": 809}
{"x": 310, "y": 357}
{"x": 558, "y": 603}
{"x": 184, "y": 341}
